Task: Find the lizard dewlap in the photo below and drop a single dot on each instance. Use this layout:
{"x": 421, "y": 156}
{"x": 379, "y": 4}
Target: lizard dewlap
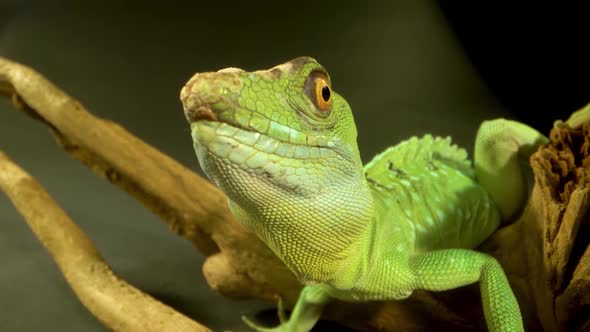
{"x": 281, "y": 143}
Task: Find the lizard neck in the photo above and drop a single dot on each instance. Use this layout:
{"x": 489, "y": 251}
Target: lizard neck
{"x": 381, "y": 252}
{"x": 314, "y": 234}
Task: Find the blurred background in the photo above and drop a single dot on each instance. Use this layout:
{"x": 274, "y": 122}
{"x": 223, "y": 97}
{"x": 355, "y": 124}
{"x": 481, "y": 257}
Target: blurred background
{"x": 406, "y": 68}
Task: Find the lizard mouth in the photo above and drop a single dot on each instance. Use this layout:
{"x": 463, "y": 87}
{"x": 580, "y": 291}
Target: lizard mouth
{"x": 204, "y": 116}
{"x": 220, "y": 137}
{"x": 246, "y": 147}
{"x": 200, "y": 113}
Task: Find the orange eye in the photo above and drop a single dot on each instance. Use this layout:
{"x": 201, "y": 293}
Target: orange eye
{"x": 323, "y": 94}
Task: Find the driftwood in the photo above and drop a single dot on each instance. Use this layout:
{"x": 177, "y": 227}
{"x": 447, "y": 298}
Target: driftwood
{"x": 545, "y": 253}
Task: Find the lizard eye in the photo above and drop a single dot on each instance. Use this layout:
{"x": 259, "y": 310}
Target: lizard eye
{"x": 320, "y": 92}
{"x": 323, "y": 94}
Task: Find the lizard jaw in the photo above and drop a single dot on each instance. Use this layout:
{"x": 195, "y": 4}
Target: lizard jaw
{"x": 227, "y": 152}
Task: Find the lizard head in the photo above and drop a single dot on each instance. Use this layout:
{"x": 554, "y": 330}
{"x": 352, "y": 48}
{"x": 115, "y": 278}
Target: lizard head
{"x": 282, "y": 145}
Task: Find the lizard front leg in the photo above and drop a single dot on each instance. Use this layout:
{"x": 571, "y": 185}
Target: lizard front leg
{"x": 306, "y": 313}
{"x": 498, "y": 146}
{"x": 451, "y": 268}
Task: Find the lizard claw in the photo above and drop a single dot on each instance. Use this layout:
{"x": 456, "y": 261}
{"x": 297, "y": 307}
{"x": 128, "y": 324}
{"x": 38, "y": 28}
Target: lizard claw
{"x": 251, "y": 324}
{"x": 257, "y": 327}
{"x": 282, "y": 318}
{"x": 281, "y": 310}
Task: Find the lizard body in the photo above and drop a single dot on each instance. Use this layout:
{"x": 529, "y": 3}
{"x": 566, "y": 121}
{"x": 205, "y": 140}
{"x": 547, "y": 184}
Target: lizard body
{"x": 282, "y": 145}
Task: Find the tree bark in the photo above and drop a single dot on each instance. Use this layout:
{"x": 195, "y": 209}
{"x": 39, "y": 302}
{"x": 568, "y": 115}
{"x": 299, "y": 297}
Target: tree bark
{"x": 544, "y": 253}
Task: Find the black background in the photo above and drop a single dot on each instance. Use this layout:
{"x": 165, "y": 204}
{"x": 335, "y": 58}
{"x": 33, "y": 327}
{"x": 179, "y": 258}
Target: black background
{"x": 533, "y": 58}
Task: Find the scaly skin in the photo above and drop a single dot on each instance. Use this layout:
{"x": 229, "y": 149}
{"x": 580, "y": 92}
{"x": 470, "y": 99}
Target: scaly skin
{"x": 282, "y": 146}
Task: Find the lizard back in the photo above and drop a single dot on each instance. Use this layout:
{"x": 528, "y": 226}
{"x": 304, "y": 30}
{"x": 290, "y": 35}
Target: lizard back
{"x": 427, "y": 188}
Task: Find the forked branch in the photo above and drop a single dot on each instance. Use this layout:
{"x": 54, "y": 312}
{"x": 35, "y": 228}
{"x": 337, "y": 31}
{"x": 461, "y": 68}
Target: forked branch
{"x": 102, "y": 292}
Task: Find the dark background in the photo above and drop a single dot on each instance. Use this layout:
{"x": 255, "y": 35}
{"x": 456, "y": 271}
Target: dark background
{"x": 406, "y": 68}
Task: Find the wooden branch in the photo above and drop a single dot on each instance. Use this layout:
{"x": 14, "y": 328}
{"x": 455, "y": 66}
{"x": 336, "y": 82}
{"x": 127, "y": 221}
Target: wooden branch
{"x": 239, "y": 263}
{"x": 546, "y": 253}
{"x": 544, "y": 272}
{"x": 101, "y": 291}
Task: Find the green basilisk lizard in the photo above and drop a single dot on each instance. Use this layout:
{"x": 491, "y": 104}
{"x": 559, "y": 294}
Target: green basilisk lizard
{"x": 282, "y": 145}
